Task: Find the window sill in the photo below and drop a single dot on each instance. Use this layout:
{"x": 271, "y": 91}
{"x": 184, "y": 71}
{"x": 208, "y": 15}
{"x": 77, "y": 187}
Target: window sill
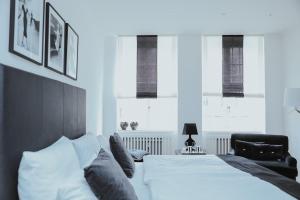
{"x": 228, "y": 132}
{"x": 145, "y": 132}
{"x": 246, "y": 95}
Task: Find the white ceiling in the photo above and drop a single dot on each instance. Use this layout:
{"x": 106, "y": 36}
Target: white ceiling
{"x": 195, "y": 16}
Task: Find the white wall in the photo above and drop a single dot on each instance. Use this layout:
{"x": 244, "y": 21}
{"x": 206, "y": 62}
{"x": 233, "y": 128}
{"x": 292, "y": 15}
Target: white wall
{"x": 291, "y": 73}
{"x": 189, "y": 84}
{"x": 109, "y": 100}
{"x": 274, "y": 83}
{"x": 90, "y": 52}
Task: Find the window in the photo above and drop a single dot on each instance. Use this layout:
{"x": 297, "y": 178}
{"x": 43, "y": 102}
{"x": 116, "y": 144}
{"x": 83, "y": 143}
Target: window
{"x": 233, "y": 66}
{"x": 146, "y": 82}
{"x": 229, "y": 113}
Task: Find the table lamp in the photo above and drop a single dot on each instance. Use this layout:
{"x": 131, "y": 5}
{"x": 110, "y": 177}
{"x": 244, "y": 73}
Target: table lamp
{"x": 190, "y": 129}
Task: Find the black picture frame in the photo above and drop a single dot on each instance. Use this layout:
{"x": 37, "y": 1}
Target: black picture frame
{"x": 52, "y": 42}
{"x": 36, "y": 21}
{"x": 69, "y": 64}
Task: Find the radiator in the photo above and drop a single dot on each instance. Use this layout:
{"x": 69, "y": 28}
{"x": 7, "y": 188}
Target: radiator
{"x": 217, "y": 143}
{"x": 155, "y": 145}
{"x": 223, "y": 146}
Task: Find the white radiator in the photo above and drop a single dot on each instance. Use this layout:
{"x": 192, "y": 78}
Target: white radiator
{"x": 217, "y": 142}
{"x": 223, "y": 146}
{"x": 154, "y": 144}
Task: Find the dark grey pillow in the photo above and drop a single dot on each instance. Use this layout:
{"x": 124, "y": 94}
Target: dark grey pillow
{"x": 122, "y": 155}
{"x": 138, "y": 155}
{"x": 107, "y": 179}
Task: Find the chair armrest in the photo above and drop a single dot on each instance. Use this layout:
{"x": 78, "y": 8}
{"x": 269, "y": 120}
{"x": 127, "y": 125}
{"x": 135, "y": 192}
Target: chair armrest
{"x": 231, "y": 153}
{"x": 291, "y": 161}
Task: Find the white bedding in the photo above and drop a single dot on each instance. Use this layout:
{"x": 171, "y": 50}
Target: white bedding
{"x": 203, "y": 178}
{"x": 137, "y": 182}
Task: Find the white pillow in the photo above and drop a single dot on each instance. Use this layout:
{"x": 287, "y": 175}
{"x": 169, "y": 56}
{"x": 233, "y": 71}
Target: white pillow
{"x": 87, "y": 148}
{"x": 79, "y": 190}
{"x": 41, "y": 173}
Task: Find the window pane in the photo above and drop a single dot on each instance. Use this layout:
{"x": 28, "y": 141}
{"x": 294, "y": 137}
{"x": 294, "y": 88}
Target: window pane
{"x": 254, "y": 65}
{"x": 126, "y": 67}
{"x": 133, "y": 110}
{"x": 167, "y": 85}
{"x": 163, "y": 114}
{"x": 151, "y": 114}
{"x": 233, "y": 114}
{"x": 212, "y": 65}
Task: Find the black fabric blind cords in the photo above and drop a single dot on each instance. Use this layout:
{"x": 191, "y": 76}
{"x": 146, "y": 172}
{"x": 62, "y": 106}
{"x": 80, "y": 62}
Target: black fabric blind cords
{"x": 233, "y": 66}
{"x": 146, "y": 66}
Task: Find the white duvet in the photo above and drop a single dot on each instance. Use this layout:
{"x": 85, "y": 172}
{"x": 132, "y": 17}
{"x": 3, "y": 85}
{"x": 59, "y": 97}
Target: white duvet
{"x": 203, "y": 178}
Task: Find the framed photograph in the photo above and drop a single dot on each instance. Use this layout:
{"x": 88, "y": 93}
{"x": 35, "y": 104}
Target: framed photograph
{"x": 71, "y": 60}
{"x": 55, "y": 40}
{"x": 27, "y": 29}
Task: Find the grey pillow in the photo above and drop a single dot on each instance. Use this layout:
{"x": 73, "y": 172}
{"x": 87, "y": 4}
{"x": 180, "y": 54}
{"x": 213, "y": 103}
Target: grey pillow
{"x": 107, "y": 180}
{"x": 122, "y": 155}
{"x": 138, "y": 155}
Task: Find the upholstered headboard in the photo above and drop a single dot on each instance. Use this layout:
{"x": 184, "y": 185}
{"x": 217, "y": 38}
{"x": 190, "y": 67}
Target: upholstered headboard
{"x": 34, "y": 112}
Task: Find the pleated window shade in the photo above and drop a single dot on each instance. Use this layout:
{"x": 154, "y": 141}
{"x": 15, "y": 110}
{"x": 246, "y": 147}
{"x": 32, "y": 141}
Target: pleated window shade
{"x": 146, "y": 81}
{"x": 233, "y": 66}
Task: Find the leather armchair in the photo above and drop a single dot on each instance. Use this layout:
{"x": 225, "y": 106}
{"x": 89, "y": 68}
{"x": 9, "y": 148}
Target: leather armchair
{"x": 290, "y": 161}
{"x": 287, "y": 166}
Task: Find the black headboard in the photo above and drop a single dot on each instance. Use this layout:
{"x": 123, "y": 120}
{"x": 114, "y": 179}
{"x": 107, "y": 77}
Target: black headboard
{"x": 34, "y": 112}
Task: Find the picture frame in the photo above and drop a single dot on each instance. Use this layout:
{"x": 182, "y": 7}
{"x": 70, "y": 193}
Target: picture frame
{"x": 71, "y": 52}
{"x": 55, "y": 40}
{"x": 26, "y": 38}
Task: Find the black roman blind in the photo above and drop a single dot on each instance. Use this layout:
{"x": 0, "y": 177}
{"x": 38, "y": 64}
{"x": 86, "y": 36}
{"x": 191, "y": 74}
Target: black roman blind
{"x": 233, "y": 66}
{"x": 146, "y": 66}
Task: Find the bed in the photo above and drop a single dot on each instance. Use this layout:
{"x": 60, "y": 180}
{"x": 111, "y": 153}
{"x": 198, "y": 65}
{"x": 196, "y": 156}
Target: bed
{"x": 209, "y": 177}
{"x": 35, "y": 112}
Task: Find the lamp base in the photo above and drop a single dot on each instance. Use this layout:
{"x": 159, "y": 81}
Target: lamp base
{"x": 190, "y": 142}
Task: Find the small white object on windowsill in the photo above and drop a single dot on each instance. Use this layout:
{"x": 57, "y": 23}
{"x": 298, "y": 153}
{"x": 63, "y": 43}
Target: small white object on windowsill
{"x": 197, "y": 150}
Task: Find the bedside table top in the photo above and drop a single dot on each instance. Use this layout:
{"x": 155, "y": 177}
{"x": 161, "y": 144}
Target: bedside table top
{"x": 180, "y": 152}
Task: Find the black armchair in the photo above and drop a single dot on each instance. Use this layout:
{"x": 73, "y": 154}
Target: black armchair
{"x": 290, "y": 161}
{"x": 286, "y": 165}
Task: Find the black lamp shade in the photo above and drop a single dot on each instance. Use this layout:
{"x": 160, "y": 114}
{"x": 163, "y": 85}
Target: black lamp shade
{"x": 190, "y": 129}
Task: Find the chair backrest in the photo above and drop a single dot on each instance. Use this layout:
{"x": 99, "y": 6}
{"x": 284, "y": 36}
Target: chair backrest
{"x": 268, "y": 139}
